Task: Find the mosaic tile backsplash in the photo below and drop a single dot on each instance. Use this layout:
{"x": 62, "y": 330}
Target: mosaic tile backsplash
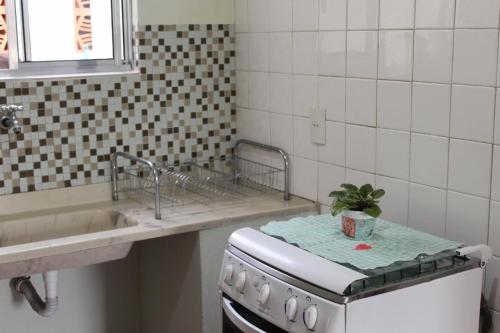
{"x": 179, "y": 107}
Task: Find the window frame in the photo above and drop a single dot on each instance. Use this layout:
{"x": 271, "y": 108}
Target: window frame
{"x": 124, "y": 54}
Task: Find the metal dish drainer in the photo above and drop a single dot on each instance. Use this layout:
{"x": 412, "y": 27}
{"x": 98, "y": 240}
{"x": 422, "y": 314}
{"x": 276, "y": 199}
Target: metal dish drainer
{"x": 229, "y": 178}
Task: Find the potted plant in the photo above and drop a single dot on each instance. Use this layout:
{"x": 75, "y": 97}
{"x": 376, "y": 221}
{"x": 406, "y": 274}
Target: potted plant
{"x": 359, "y": 209}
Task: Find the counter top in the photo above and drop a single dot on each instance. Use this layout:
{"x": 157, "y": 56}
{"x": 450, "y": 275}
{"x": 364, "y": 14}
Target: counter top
{"x": 137, "y": 223}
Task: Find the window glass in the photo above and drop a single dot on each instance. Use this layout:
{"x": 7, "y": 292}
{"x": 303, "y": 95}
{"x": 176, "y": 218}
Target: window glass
{"x": 68, "y": 30}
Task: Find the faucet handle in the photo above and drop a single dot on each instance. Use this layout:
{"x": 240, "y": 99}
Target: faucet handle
{"x": 16, "y": 108}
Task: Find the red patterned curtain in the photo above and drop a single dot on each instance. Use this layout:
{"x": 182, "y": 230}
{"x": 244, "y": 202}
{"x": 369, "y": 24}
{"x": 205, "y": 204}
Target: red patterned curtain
{"x": 3, "y": 28}
{"x": 83, "y": 25}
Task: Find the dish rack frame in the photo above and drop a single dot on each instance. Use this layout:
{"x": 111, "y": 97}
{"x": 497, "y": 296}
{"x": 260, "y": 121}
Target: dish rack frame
{"x": 192, "y": 174}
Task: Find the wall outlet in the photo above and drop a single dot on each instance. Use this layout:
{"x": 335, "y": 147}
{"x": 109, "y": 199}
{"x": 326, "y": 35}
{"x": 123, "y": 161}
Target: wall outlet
{"x": 318, "y": 126}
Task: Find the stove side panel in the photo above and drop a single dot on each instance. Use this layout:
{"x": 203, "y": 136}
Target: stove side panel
{"x": 447, "y": 305}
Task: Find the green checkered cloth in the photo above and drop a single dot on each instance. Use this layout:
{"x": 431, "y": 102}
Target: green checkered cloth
{"x": 390, "y": 243}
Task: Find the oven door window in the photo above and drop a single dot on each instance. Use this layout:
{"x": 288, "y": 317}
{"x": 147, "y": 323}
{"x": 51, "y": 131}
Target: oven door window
{"x": 238, "y": 319}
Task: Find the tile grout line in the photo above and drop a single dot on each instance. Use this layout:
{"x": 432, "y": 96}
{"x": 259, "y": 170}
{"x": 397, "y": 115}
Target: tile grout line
{"x": 495, "y": 115}
{"x": 376, "y": 95}
{"x": 408, "y": 215}
{"x": 449, "y": 120}
{"x": 345, "y": 87}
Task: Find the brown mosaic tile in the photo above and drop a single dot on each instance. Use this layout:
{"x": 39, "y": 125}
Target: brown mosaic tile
{"x": 180, "y": 106}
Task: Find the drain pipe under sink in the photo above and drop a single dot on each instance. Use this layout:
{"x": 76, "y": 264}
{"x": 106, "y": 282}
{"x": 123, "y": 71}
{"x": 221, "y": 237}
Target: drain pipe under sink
{"x": 24, "y": 286}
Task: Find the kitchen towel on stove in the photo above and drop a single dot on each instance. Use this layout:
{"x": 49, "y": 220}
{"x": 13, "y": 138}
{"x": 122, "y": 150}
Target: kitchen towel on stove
{"x": 390, "y": 243}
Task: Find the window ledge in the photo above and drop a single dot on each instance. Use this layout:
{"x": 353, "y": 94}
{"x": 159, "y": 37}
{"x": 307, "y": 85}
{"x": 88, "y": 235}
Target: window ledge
{"x": 21, "y": 76}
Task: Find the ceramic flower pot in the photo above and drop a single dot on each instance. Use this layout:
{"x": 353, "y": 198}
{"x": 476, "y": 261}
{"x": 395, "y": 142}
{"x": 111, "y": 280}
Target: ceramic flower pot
{"x": 357, "y": 225}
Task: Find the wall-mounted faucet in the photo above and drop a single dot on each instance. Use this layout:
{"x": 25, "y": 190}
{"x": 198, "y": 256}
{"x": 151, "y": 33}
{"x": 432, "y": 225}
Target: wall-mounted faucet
{"x": 8, "y": 118}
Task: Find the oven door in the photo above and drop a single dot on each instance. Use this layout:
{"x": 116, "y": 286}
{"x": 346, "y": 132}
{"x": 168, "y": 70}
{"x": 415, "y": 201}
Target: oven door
{"x": 238, "y": 319}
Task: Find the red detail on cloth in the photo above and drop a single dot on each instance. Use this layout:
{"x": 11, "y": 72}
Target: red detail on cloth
{"x": 363, "y": 247}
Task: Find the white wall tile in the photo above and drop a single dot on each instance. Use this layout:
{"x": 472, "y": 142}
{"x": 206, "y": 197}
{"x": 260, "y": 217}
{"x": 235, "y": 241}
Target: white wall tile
{"x": 433, "y": 56}
{"x": 475, "y": 57}
{"x": 470, "y": 167}
{"x": 495, "y": 181}
{"x": 427, "y": 209}
{"x": 280, "y": 52}
{"x": 258, "y": 92}
{"x": 333, "y": 151}
{"x": 331, "y": 53}
{"x": 395, "y": 55}
{"x": 241, "y": 15}
{"x": 258, "y": 15}
{"x": 304, "y": 178}
{"x": 472, "y": 112}
{"x": 494, "y": 235}
{"x": 305, "y": 53}
{"x": 330, "y": 178}
{"x": 497, "y": 118}
{"x": 254, "y": 125}
{"x": 362, "y": 14}
{"x": 456, "y": 177}
{"x": 498, "y": 67}
{"x": 397, "y": 14}
{"x": 431, "y": 108}
{"x": 258, "y": 46}
{"x": 492, "y": 282}
{"x": 332, "y": 97}
{"x": 429, "y": 160}
{"x": 302, "y": 145}
{"x": 360, "y": 148}
{"x": 282, "y": 131}
{"x": 332, "y": 14}
{"x": 477, "y": 14}
{"x": 242, "y": 89}
{"x": 362, "y": 49}
{"x": 394, "y": 203}
{"x": 280, "y": 93}
{"x": 325, "y": 209}
{"x": 394, "y": 105}
{"x": 305, "y": 15}
{"x": 242, "y": 51}
{"x": 305, "y": 94}
{"x": 496, "y": 321}
{"x": 467, "y": 218}
{"x": 280, "y": 15}
{"x": 393, "y": 153}
{"x": 359, "y": 178}
{"x": 431, "y": 14}
{"x": 361, "y": 101}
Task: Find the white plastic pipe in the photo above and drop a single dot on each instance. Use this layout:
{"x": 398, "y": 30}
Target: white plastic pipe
{"x": 50, "y": 281}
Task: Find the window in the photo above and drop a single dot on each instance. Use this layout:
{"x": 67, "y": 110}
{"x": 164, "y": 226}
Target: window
{"x": 58, "y": 37}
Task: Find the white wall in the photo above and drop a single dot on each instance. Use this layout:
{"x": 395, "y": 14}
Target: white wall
{"x": 100, "y": 298}
{"x": 409, "y": 92}
{"x": 185, "y": 11}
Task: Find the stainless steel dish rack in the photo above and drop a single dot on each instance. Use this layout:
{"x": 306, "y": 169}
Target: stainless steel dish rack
{"x": 229, "y": 178}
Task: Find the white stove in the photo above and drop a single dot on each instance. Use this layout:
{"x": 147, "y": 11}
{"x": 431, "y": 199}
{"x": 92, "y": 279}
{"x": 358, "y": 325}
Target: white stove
{"x": 268, "y": 285}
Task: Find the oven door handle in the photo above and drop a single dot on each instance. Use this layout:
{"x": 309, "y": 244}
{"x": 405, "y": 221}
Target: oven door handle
{"x": 237, "y": 319}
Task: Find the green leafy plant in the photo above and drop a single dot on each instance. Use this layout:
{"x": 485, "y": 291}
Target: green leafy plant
{"x": 363, "y": 199}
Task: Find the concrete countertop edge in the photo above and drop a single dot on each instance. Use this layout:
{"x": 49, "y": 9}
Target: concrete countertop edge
{"x": 148, "y": 228}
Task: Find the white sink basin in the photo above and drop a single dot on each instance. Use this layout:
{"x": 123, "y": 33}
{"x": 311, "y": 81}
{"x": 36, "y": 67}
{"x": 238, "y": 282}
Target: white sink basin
{"x": 27, "y": 232}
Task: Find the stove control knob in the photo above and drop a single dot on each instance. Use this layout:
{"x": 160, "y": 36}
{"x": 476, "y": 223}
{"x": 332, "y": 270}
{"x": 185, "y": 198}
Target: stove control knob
{"x": 263, "y": 297}
{"x": 311, "y": 317}
{"x": 241, "y": 279}
{"x": 291, "y": 308}
{"x": 228, "y": 273}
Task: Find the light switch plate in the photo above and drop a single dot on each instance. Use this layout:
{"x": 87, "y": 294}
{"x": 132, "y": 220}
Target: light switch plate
{"x": 318, "y": 126}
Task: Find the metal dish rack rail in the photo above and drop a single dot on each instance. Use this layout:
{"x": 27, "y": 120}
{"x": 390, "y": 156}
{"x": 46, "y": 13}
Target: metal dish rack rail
{"x": 193, "y": 181}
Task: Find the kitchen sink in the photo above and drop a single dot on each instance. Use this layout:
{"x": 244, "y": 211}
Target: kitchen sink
{"x": 22, "y": 235}
{"x": 58, "y": 225}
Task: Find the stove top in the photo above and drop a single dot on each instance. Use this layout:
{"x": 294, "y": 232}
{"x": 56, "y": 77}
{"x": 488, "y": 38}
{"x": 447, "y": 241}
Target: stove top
{"x": 343, "y": 282}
